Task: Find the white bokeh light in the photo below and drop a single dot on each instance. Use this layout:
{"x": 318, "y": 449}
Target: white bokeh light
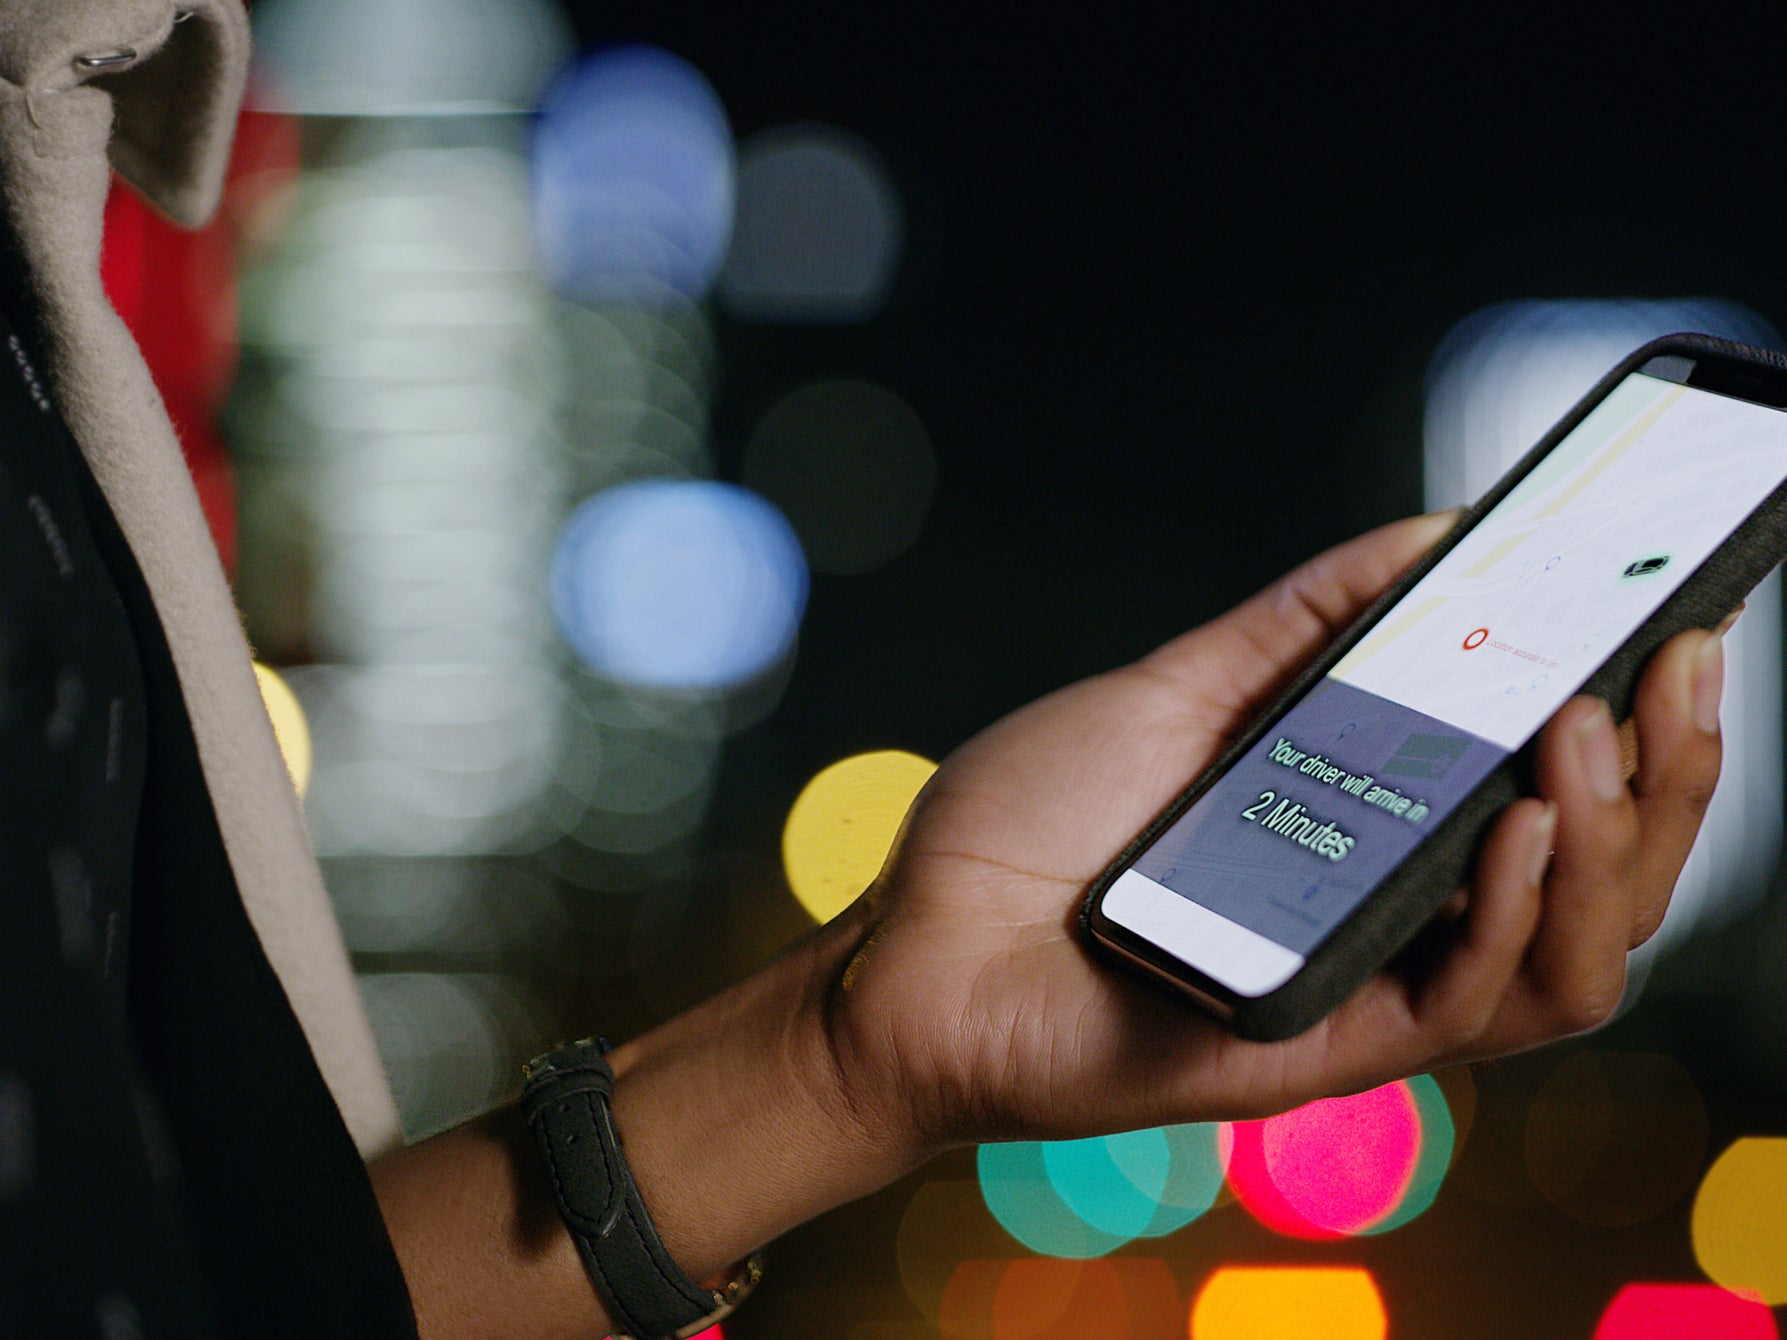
{"x": 406, "y": 57}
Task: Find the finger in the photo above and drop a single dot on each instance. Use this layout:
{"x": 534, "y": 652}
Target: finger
{"x": 1454, "y": 1004}
{"x": 1256, "y": 644}
{"x": 1459, "y": 1002}
{"x": 1676, "y": 712}
{"x": 1578, "y": 959}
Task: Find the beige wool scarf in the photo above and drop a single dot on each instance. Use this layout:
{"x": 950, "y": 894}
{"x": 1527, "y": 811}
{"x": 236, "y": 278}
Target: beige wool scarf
{"x": 152, "y": 88}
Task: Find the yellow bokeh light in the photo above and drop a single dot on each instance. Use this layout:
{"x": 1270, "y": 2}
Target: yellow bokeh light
{"x": 1289, "y": 1303}
{"x": 1740, "y": 1219}
{"x": 842, "y": 824}
{"x": 289, "y": 726}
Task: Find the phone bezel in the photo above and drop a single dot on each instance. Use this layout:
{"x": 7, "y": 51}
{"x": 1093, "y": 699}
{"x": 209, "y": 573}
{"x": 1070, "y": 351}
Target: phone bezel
{"x": 1408, "y": 896}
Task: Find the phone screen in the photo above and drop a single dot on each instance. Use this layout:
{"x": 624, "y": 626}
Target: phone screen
{"x": 1460, "y": 673}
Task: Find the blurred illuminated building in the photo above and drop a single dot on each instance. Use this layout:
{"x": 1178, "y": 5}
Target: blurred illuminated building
{"x": 473, "y": 428}
{"x": 398, "y": 431}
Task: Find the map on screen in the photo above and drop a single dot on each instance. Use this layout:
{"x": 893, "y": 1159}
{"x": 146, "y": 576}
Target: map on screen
{"x": 1462, "y": 671}
{"x": 1512, "y": 621}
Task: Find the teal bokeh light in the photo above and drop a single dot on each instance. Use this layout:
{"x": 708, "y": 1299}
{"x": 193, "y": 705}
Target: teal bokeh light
{"x": 1437, "y": 1137}
{"x": 1113, "y": 1182}
{"x": 1199, "y": 1163}
{"x": 1083, "y": 1198}
{"x": 1015, "y": 1184}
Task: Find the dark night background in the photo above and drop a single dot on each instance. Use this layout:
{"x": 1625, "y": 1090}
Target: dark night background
{"x": 1170, "y": 287}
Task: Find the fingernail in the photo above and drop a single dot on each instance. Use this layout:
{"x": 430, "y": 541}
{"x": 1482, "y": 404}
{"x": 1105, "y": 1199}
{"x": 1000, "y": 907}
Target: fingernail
{"x": 1724, "y": 625}
{"x": 1544, "y": 831}
{"x": 1708, "y": 684}
{"x": 1599, "y": 749}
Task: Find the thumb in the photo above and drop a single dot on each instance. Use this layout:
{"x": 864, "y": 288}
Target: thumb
{"x": 1237, "y": 660}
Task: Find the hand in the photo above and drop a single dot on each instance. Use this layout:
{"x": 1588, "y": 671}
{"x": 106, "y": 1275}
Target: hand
{"x": 955, "y": 1002}
{"x": 971, "y": 1009}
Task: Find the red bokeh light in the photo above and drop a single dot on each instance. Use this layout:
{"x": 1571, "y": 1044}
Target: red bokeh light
{"x": 1672, "y": 1311}
{"x": 1331, "y": 1168}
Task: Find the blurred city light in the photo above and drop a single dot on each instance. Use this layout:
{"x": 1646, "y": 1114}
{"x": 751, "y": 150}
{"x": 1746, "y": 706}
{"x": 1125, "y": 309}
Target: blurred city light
{"x": 635, "y": 763}
{"x": 1439, "y": 1139}
{"x": 850, "y": 465}
{"x": 965, "y": 1310}
{"x": 1053, "y": 1299}
{"x": 945, "y": 1223}
{"x": 1674, "y": 1311}
{"x": 635, "y": 771}
{"x": 1289, "y": 1303}
{"x": 819, "y": 230}
{"x": 633, "y": 179}
{"x": 1101, "y": 1192}
{"x": 1017, "y": 1188}
{"x": 406, "y": 57}
{"x": 843, "y": 823}
{"x": 1043, "y": 1297}
{"x": 637, "y": 387}
{"x": 1459, "y": 1088}
{"x": 1330, "y": 1168}
{"x": 1048, "y": 1299}
{"x": 411, "y": 906}
{"x": 401, "y": 404}
{"x": 692, "y": 585}
{"x": 1140, "y": 1184}
{"x": 1496, "y": 383}
{"x": 441, "y": 1042}
{"x": 289, "y": 726}
{"x": 1616, "y": 1138}
{"x": 1740, "y": 1219}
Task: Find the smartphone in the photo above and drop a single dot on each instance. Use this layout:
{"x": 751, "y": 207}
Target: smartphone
{"x": 1335, "y": 826}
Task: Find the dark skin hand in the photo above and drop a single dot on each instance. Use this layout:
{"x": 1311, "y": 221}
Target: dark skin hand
{"x": 954, "y": 1002}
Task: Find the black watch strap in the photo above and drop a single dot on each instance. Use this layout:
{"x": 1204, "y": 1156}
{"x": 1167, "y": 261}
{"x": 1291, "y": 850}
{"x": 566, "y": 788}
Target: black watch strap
{"x": 566, "y": 1102}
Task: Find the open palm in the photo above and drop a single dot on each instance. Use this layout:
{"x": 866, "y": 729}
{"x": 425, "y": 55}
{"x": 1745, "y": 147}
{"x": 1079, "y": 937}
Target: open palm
{"x": 972, "y": 999}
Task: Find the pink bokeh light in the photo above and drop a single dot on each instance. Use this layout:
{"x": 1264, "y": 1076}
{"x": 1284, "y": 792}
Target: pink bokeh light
{"x": 1331, "y": 1168}
{"x": 1672, "y": 1311}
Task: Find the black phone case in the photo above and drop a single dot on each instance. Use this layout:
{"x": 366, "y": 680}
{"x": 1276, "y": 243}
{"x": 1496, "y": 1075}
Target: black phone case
{"x": 1406, "y": 901}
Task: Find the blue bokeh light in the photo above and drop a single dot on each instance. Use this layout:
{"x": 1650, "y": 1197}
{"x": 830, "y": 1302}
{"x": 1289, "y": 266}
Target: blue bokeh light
{"x": 679, "y": 584}
{"x": 634, "y": 179}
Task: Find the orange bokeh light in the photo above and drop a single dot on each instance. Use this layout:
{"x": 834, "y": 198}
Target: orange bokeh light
{"x": 1289, "y": 1303}
{"x": 1053, "y": 1298}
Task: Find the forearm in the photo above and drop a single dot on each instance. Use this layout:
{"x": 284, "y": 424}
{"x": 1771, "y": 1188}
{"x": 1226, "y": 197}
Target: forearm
{"x": 735, "y": 1124}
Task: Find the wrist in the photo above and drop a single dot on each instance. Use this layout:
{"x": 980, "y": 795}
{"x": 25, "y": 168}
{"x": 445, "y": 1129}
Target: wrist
{"x": 741, "y": 1119}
